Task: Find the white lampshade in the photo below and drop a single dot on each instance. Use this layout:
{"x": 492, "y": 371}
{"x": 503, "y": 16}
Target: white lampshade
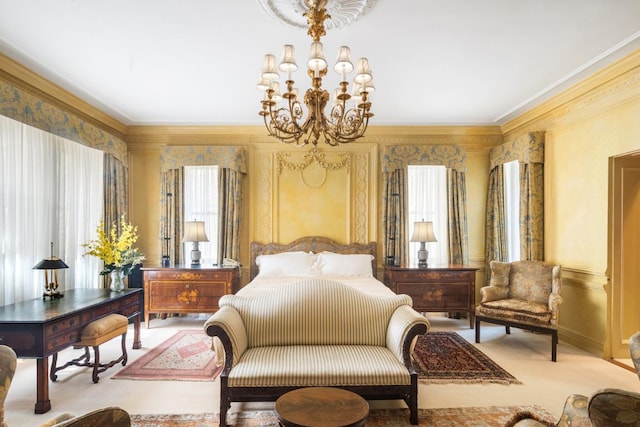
{"x": 363, "y": 72}
{"x": 262, "y": 84}
{"x": 269, "y": 70}
{"x": 343, "y": 63}
{"x": 316, "y": 57}
{"x": 288, "y": 63}
{"x": 423, "y": 232}
{"x": 194, "y": 232}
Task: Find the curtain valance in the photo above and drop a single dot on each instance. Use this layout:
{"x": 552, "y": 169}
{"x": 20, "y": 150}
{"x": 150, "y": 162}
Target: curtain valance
{"x": 230, "y": 157}
{"x": 526, "y": 149}
{"x": 394, "y": 157}
{"x": 19, "y": 105}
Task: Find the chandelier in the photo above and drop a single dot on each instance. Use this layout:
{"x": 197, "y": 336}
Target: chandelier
{"x": 349, "y": 115}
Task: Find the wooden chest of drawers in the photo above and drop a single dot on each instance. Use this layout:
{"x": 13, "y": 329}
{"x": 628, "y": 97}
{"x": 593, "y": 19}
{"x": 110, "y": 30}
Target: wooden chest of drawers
{"x": 186, "y": 290}
{"x": 450, "y": 288}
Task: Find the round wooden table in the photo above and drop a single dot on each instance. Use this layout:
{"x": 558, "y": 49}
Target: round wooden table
{"x": 321, "y": 406}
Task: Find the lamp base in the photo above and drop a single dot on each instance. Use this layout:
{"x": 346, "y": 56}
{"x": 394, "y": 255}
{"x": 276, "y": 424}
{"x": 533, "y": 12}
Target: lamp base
{"x": 52, "y": 295}
{"x": 423, "y": 256}
{"x": 195, "y": 256}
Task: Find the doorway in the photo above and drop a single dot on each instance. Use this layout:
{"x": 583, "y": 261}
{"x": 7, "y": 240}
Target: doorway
{"x": 624, "y": 316}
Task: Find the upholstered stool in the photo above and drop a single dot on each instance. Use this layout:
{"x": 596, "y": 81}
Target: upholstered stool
{"x": 95, "y": 333}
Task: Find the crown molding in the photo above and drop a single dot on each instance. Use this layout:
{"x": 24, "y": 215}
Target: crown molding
{"x": 25, "y": 79}
{"x": 592, "y": 87}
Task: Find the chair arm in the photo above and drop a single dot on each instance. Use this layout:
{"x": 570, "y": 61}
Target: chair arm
{"x": 404, "y": 326}
{"x": 554, "y": 302}
{"x": 575, "y": 411}
{"x": 228, "y": 326}
{"x": 493, "y": 293}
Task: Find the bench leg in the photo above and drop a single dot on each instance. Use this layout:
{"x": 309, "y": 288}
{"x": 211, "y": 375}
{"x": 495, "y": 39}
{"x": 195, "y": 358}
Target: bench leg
{"x": 96, "y": 364}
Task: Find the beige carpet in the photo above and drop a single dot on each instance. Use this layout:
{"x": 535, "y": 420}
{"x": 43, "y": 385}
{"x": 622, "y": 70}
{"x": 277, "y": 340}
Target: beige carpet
{"x": 492, "y": 416}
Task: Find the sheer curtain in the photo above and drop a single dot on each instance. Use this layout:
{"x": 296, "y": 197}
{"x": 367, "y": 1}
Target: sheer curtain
{"x": 512, "y": 208}
{"x": 427, "y": 200}
{"x": 51, "y": 191}
{"x": 201, "y": 203}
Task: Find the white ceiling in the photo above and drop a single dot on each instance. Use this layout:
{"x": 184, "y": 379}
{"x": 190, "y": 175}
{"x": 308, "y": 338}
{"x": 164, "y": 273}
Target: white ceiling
{"x": 435, "y": 62}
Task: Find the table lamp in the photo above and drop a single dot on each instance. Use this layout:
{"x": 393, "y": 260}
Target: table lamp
{"x": 50, "y": 265}
{"x": 194, "y": 232}
{"x": 423, "y": 232}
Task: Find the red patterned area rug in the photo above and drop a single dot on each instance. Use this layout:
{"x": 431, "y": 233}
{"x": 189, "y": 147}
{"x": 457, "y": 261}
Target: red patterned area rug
{"x": 491, "y": 416}
{"x": 186, "y": 356}
{"x": 447, "y": 358}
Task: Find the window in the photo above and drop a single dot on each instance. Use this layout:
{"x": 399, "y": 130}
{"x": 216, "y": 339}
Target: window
{"x": 201, "y": 204}
{"x": 427, "y": 200}
{"x": 511, "y": 173}
{"x": 51, "y": 190}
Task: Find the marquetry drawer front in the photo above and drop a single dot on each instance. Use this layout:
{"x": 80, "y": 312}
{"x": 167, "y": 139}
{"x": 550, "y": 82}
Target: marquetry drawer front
{"x": 436, "y": 296}
{"x": 434, "y": 276}
{"x": 185, "y": 295}
{"x": 191, "y": 276}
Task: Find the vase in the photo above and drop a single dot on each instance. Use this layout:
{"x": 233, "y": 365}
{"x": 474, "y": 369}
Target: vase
{"x": 117, "y": 280}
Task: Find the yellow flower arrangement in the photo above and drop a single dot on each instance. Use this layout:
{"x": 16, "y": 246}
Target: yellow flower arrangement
{"x": 116, "y": 251}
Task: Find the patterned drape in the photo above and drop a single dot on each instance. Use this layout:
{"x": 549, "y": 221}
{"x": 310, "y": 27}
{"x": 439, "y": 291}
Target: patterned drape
{"x": 532, "y": 211}
{"x": 495, "y": 230}
{"x": 116, "y": 200}
{"x": 457, "y": 208}
{"x": 229, "y": 213}
{"x": 394, "y": 217}
{"x": 394, "y": 161}
{"x": 171, "y": 215}
{"x": 529, "y": 151}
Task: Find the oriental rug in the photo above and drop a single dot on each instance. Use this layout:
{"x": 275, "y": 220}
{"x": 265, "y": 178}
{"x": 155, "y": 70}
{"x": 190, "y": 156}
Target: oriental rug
{"x": 186, "y": 356}
{"x": 447, "y": 358}
{"x": 491, "y": 416}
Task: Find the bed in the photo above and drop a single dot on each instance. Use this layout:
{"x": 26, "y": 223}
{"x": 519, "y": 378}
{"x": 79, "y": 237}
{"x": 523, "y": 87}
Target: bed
{"x": 277, "y": 273}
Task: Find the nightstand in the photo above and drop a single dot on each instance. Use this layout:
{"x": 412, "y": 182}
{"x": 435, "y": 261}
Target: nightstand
{"x": 439, "y": 288}
{"x": 187, "y": 290}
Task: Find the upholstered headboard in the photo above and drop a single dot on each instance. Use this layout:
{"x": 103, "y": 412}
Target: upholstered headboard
{"x": 315, "y": 244}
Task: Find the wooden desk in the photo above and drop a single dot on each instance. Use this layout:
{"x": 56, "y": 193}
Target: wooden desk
{"x": 187, "y": 290}
{"x": 37, "y": 328}
{"x": 450, "y": 288}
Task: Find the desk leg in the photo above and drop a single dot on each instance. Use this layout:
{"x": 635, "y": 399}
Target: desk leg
{"x": 43, "y": 404}
{"x": 137, "y": 344}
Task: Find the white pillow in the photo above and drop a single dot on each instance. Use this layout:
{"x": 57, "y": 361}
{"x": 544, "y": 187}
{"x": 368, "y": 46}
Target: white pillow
{"x": 286, "y": 264}
{"x": 330, "y": 263}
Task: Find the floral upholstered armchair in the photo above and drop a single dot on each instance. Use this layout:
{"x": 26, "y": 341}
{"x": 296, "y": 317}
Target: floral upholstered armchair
{"x": 608, "y": 407}
{"x": 522, "y": 294}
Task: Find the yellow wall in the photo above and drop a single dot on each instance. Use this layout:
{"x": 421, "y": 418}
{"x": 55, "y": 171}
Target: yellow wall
{"x": 585, "y": 126}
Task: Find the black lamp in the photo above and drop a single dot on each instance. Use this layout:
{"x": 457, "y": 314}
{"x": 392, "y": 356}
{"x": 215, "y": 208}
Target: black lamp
{"x": 50, "y": 265}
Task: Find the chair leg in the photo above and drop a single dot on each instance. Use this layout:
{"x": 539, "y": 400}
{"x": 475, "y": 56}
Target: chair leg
{"x": 507, "y": 329}
{"x": 554, "y": 344}
{"x": 477, "y": 330}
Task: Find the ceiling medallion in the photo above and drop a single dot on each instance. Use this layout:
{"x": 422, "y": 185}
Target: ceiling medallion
{"x": 342, "y": 12}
